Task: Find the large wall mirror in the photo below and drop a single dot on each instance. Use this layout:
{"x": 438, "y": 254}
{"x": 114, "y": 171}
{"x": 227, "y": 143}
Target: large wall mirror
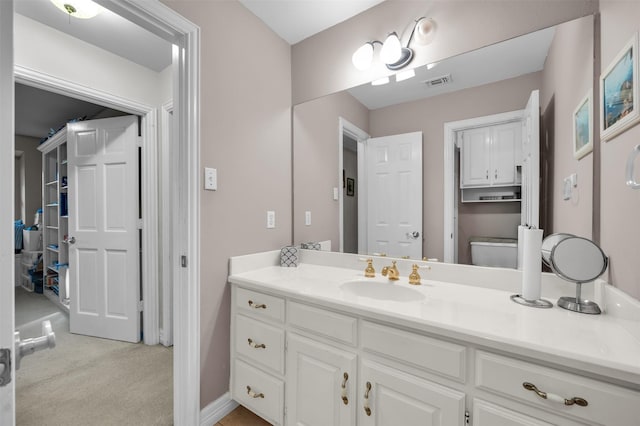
{"x": 347, "y": 144}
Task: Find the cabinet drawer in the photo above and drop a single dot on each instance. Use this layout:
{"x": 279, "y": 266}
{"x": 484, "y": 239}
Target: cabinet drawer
{"x": 326, "y": 323}
{"x": 443, "y": 358}
{"x": 607, "y": 404}
{"x": 487, "y": 414}
{"x": 259, "y": 392}
{"x": 260, "y": 342}
{"x": 259, "y": 305}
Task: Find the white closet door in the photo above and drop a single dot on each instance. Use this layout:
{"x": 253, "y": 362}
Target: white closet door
{"x": 104, "y": 250}
{"x": 530, "y": 210}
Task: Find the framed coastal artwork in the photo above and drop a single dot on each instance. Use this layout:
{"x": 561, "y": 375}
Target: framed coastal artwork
{"x": 619, "y": 92}
{"x": 583, "y": 127}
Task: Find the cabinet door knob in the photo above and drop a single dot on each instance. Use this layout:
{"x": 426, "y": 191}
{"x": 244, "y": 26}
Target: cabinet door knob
{"x": 553, "y": 397}
{"x": 496, "y": 174}
{"x": 344, "y": 388}
{"x": 256, "y": 345}
{"x": 257, "y": 305}
{"x": 252, "y": 394}
{"x": 367, "y": 409}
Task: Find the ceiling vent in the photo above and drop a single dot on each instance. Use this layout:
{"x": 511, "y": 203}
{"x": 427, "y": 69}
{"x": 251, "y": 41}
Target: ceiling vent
{"x": 438, "y": 81}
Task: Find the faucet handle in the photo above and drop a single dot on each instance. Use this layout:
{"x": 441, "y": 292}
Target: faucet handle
{"x": 369, "y": 271}
{"x": 414, "y": 276}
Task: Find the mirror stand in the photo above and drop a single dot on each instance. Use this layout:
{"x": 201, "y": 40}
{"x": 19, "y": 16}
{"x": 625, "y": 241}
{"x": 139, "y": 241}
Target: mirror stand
{"x": 577, "y": 304}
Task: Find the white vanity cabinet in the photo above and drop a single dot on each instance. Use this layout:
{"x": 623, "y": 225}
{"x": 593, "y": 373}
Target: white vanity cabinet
{"x": 297, "y": 362}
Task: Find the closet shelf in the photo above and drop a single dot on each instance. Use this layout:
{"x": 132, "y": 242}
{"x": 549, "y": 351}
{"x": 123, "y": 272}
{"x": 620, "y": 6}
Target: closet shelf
{"x": 53, "y": 182}
{"x": 52, "y": 227}
{"x": 52, "y": 205}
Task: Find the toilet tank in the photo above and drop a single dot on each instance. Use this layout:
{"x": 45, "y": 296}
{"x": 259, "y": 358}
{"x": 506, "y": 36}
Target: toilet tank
{"x": 488, "y": 251}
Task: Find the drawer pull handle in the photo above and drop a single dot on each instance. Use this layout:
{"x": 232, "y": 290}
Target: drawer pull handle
{"x": 256, "y": 345}
{"x": 344, "y": 389}
{"x": 257, "y": 306}
{"x": 553, "y": 397}
{"x": 367, "y": 409}
{"x": 252, "y": 394}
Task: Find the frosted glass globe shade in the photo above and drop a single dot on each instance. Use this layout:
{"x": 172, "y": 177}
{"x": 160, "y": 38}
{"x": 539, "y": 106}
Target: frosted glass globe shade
{"x": 363, "y": 57}
{"x": 425, "y": 31}
{"x": 391, "y": 49}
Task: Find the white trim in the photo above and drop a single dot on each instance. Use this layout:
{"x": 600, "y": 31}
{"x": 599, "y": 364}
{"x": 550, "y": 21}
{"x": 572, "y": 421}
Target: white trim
{"x": 344, "y": 126}
{"x": 166, "y": 324}
{"x": 217, "y": 410}
{"x": 149, "y": 172}
{"x": 7, "y": 186}
{"x": 450, "y": 129}
{"x": 363, "y": 198}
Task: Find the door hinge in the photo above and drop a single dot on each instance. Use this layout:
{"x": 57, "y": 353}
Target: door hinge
{"x": 5, "y": 367}
{"x": 467, "y": 418}
{"x": 140, "y": 305}
{"x": 139, "y": 223}
{"x": 139, "y": 141}
{"x": 183, "y": 261}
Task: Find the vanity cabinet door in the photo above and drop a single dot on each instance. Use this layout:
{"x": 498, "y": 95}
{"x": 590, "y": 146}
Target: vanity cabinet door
{"x": 387, "y": 396}
{"x": 476, "y": 157}
{"x": 321, "y": 384}
{"x": 487, "y": 414}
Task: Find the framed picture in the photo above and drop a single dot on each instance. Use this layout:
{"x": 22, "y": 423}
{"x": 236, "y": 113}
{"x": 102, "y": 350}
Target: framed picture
{"x": 351, "y": 184}
{"x": 619, "y": 92}
{"x": 583, "y": 127}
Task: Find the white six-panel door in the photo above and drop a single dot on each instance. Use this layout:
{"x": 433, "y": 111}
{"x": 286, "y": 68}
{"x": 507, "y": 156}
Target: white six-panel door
{"x": 394, "y": 195}
{"x": 104, "y": 258}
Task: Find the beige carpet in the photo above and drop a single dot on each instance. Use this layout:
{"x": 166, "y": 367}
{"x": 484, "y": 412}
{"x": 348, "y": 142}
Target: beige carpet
{"x": 90, "y": 381}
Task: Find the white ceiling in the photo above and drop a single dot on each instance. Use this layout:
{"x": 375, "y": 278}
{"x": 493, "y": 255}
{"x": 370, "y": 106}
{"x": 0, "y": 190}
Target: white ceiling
{"x": 295, "y": 20}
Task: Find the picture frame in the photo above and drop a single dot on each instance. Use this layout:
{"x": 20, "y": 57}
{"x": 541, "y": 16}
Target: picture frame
{"x": 351, "y": 185}
{"x": 619, "y": 103}
{"x": 583, "y": 127}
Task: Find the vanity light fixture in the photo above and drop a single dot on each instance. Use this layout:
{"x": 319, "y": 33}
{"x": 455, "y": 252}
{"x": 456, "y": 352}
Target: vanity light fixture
{"x": 393, "y": 54}
{"x": 82, "y": 9}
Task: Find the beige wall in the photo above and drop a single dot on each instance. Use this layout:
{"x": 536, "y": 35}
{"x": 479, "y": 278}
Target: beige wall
{"x": 322, "y": 64}
{"x": 315, "y": 163}
{"x": 33, "y": 176}
{"x": 245, "y": 132}
{"x": 620, "y": 206}
{"x": 429, "y": 115}
{"x": 567, "y": 77}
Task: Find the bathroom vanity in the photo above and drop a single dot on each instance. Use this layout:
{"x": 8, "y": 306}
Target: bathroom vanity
{"x": 321, "y": 344}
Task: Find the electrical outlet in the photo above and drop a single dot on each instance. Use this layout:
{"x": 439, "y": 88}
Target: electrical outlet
{"x": 271, "y": 219}
{"x": 210, "y": 179}
{"x": 307, "y": 218}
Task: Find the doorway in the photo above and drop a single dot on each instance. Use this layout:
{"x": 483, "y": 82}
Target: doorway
{"x": 169, "y": 25}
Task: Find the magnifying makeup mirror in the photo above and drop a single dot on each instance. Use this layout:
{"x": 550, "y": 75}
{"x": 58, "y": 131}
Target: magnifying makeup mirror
{"x": 578, "y": 260}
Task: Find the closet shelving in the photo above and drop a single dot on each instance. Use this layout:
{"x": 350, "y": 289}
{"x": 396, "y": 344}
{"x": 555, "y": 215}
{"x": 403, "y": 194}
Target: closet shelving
{"x": 55, "y": 215}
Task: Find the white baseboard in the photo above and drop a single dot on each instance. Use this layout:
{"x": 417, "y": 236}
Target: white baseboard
{"x": 214, "y": 412}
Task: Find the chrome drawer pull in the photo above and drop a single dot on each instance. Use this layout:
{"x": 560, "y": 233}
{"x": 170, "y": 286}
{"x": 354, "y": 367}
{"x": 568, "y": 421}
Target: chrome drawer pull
{"x": 258, "y": 306}
{"x": 344, "y": 389}
{"x": 256, "y": 345}
{"x": 367, "y": 409}
{"x": 252, "y": 394}
{"x": 553, "y": 397}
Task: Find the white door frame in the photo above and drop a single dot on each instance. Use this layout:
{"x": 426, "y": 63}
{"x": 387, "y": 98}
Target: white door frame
{"x": 168, "y": 24}
{"x": 166, "y": 136}
{"x": 344, "y": 126}
{"x": 450, "y": 190}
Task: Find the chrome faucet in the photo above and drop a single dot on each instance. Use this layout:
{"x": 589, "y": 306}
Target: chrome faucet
{"x": 391, "y": 272}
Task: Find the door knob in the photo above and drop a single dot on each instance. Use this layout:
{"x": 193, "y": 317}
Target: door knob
{"x": 413, "y": 235}
{"x": 71, "y": 240}
{"x": 29, "y": 346}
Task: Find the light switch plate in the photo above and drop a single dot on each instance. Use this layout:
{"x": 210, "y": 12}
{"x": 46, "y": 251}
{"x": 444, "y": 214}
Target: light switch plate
{"x": 271, "y": 219}
{"x": 335, "y": 194}
{"x": 566, "y": 188}
{"x": 210, "y": 179}
{"x": 307, "y": 218}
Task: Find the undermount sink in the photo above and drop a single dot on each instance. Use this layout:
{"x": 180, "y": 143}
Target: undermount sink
{"x": 375, "y": 289}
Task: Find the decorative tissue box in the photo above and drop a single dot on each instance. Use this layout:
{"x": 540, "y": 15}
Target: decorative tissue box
{"x": 289, "y": 257}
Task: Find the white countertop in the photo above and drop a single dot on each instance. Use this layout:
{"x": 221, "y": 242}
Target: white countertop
{"x": 597, "y": 345}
